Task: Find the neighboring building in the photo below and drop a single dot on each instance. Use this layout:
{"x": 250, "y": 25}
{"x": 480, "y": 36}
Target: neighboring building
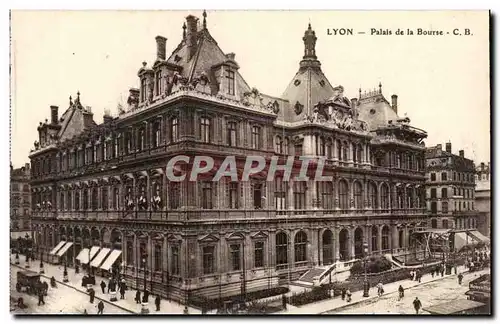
{"x": 483, "y": 198}
{"x": 105, "y": 184}
{"x": 450, "y": 189}
{"x": 20, "y": 201}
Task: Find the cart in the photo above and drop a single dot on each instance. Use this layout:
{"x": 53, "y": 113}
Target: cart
{"x": 28, "y": 280}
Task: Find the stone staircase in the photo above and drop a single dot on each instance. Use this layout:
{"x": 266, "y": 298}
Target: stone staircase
{"x": 307, "y": 279}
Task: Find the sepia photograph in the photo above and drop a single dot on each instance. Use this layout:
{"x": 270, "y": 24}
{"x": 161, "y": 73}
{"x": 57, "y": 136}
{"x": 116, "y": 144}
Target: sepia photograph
{"x": 251, "y": 162}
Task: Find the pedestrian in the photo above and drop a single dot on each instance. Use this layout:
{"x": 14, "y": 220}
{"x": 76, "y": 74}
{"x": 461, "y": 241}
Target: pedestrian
{"x": 442, "y": 271}
{"x": 122, "y": 292}
{"x": 460, "y": 277}
{"x": 77, "y": 269}
{"x": 419, "y": 276}
{"x": 100, "y": 307}
{"x": 103, "y": 286}
{"x": 157, "y": 303}
{"x": 401, "y": 292}
{"x": 380, "y": 289}
{"x": 85, "y": 312}
{"x": 92, "y": 295}
{"x": 40, "y": 298}
{"x": 186, "y": 310}
{"x": 343, "y": 293}
{"x": 348, "y": 294}
{"x": 138, "y": 297}
{"x": 432, "y": 272}
{"x": 417, "y": 304}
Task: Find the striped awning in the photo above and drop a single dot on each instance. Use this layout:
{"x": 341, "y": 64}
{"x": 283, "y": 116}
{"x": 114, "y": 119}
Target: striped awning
{"x": 481, "y": 237}
{"x": 99, "y": 258}
{"x": 64, "y": 249}
{"x": 111, "y": 259}
{"x": 57, "y": 247}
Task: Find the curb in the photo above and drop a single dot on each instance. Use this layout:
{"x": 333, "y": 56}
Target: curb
{"x": 84, "y": 292}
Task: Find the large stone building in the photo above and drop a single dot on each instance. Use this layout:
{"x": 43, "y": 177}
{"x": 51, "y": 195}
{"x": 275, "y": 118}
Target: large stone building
{"x": 450, "y": 189}
{"x": 104, "y": 184}
{"x": 483, "y": 198}
{"x": 20, "y": 201}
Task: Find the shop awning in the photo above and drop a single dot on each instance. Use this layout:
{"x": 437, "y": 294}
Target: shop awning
{"x": 64, "y": 249}
{"x": 462, "y": 239}
{"x": 99, "y": 258}
{"x": 480, "y": 237}
{"x": 453, "y": 307}
{"x": 83, "y": 256}
{"x": 57, "y": 247}
{"x": 111, "y": 259}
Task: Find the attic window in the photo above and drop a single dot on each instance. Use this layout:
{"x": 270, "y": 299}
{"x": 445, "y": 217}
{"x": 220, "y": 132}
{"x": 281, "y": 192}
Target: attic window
{"x": 322, "y": 83}
{"x": 177, "y": 58}
{"x": 297, "y": 82}
{"x": 372, "y": 111}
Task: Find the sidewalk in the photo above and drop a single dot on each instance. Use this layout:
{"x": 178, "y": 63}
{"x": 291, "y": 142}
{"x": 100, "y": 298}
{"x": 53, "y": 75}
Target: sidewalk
{"x": 75, "y": 281}
{"x": 357, "y": 297}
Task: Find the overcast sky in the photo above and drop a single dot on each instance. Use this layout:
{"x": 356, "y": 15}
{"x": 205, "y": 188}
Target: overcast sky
{"x": 442, "y": 81}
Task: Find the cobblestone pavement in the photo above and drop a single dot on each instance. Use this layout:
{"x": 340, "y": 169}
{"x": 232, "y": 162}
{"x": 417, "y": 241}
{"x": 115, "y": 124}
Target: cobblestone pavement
{"x": 431, "y": 293}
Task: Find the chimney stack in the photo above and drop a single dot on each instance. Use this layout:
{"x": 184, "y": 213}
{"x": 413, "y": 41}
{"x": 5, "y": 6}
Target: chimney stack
{"x": 394, "y": 103}
{"x": 230, "y": 56}
{"x": 54, "y": 114}
{"x": 161, "y": 44}
{"x": 461, "y": 153}
{"x": 27, "y": 166}
{"x": 354, "y": 102}
{"x": 191, "y": 33}
{"x": 448, "y": 147}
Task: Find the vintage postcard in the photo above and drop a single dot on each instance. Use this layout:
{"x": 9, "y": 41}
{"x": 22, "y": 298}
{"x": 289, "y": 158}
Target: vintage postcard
{"x": 250, "y": 162}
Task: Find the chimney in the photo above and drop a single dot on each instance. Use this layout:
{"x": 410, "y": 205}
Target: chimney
{"x": 161, "y": 44}
{"x": 439, "y": 147}
{"x": 448, "y": 147}
{"x": 482, "y": 166}
{"x": 394, "y": 103}
{"x": 88, "y": 118}
{"x": 354, "y": 103}
{"x": 54, "y": 114}
{"x": 27, "y": 166}
{"x": 230, "y": 56}
{"x": 192, "y": 30}
{"x": 461, "y": 153}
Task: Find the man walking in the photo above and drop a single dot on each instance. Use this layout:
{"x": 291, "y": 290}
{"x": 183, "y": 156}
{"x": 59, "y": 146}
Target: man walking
{"x": 460, "y": 278}
{"x": 138, "y": 297}
{"x": 92, "y": 295}
{"x": 122, "y": 292}
{"x": 157, "y": 303}
{"x": 343, "y": 293}
{"x": 417, "y": 304}
{"x": 100, "y": 307}
{"x": 40, "y": 297}
{"x": 103, "y": 286}
{"x": 401, "y": 292}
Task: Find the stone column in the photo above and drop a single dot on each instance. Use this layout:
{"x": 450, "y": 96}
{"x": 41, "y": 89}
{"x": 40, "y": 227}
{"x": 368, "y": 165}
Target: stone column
{"x": 379, "y": 238}
{"x": 314, "y": 247}
{"x": 351, "y": 243}
{"x": 290, "y": 195}
{"x": 368, "y": 236}
{"x": 291, "y": 249}
{"x": 395, "y": 238}
{"x": 271, "y": 248}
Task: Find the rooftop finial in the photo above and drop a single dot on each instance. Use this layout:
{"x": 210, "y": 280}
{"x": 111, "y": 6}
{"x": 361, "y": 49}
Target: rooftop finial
{"x": 380, "y": 87}
{"x": 184, "y": 31}
{"x": 204, "y": 19}
{"x": 309, "y": 43}
{"x": 70, "y": 101}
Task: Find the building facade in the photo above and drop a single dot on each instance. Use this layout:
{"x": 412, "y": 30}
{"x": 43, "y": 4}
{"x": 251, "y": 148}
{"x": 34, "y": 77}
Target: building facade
{"x": 483, "y": 198}
{"x": 20, "y": 200}
{"x": 450, "y": 189}
{"x": 106, "y": 183}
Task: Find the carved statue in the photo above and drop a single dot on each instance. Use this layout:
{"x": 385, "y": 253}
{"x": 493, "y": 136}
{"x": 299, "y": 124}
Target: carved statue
{"x": 156, "y": 200}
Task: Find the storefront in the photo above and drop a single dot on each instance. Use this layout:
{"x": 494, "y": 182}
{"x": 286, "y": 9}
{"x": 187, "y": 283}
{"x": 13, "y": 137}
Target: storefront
{"x": 480, "y": 291}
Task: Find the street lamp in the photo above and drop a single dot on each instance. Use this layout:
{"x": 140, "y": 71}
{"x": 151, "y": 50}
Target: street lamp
{"x": 65, "y": 273}
{"x": 42, "y": 271}
{"x": 144, "y": 304}
{"x": 366, "y": 284}
{"x": 27, "y": 266}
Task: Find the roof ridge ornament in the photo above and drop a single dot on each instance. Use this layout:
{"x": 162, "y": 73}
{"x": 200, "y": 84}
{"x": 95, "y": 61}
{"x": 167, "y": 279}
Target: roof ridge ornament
{"x": 204, "y": 19}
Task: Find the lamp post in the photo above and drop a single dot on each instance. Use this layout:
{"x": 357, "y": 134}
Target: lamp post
{"x": 144, "y": 309}
{"x": 42, "y": 271}
{"x": 366, "y": 284}
{"x": 65, "y": 273}
{"x": 27, "y": 266}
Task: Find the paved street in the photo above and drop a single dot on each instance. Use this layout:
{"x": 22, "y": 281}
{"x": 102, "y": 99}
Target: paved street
{"x": 126, "y": 306}
{"x": 431, "y": 293}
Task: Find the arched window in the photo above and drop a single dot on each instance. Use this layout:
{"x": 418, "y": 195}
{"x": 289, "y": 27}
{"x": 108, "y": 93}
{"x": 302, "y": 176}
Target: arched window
{"x": 374, "y": 238}
{"x": 285, "y": 146}
{"x": 329, "y": 148}
{"x": 399, "y": 197}
{"x": 85, "y": 199}
{"x": 409, "y": 197}
{"x": 401, "y": 238}
{"x": 445, "y": 223}
{"x": 359, "y": 153}
{"x": 94, "y": 199}
{"x": 384, "y": 196}
{"x": 77, "y": 200}
{"x": 345, "y": 152}
{"x": 325, "y": 194}
{"x": 339, "y": 149}
{"x": 300, "y": 247}
{"x": 385, "y": 238}
{"x": 372, "y": 193}
{"x": 281, "y": 248}
{"x": 343, "y": 195}
{"x": 434, "y": 223}
{"x": 174, "y": 129}
{"x": 279, "y": 145}
{"x": 358, "y": 195}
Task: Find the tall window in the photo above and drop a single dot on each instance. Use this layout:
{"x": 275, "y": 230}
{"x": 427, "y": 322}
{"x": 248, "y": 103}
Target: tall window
{"x": 325, "y": 193}
{"x": 374, "y": 238}
{"x": 158, "y": 87}
{"x": 343, "y": 195}
{"x": 205, "y": 129}
{"x": 141, "y": 139}
{"x": 230, "y": 82}
{"x": 206, "y": 194}
{"x": 257, "y": 195}
{"x": 105, "y": 155}
{"x": 385, "y": 238}
{"x": 116, "y": 142}
{"x": 372, "y": 194}
{"x": 300, "y": 246}
{"x": 256, "y": 137}
{"x": 444, "y": 193}
{"x": 128, "y": 142}
{"x": 104, "y": 196}
{"x": 175, "y": 266}
{"x": 299, "y": 194}
{"x": 231, "y": 133}
{"x": 345, "y": 152}
{"x": 85, "y": 199}
{"x": 433, "y": 176}
{"x": 444, "y": 207}
{"x": 208, "y": 259}
{"x": 258, "y": 254}
{"x": 434, "y": 207}
{"x": 339, "y": 149}
{"x": 77, "y": 200}
{"x": 329, "y": 148}
{"x": 444, "y": 176}
{"x": 401, "y": 238}
{"x": 157, "y": 258}
{"x": 68, "y": 201}
{"x": 95, "y": 201}
{"x": 94, "y": 153}
{"x": 384, "y": 196}
{"x": 433, "y": 192}
{"x": 280, "y": 194}
{"x": 174, "y": 195}
{"x": 298, "y": 149}
{"x": 130, "y": 253}
{"x": 235, "y": 256}
{"x": 279, "y": 145}
{"x": 281, "y": 248}
{"x": 321, "y": 147}
{"x": 445, "y": 223}
{"x": 233, "y": 195}
{"x": 358, "y": 195}
{"x": 143, "y": 90}
{"x": 116, "y": 198}
{"x": 174, "y": 129}
{"x": 156, "y": 134}
{"x": 61, "y": 201}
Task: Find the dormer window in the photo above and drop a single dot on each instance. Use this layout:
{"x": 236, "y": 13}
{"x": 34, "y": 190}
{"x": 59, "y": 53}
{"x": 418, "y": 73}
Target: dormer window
{"x": 230, "y": 82}
{"x": 158, "y": 79}
{"x": 143, "y": 90}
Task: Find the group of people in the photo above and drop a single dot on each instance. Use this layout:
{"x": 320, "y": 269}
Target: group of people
{"x": 416, "y": 275}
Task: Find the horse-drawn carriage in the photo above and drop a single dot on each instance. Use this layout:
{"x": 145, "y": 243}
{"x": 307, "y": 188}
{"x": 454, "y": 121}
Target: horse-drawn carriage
{"x": 28, "y": 280}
